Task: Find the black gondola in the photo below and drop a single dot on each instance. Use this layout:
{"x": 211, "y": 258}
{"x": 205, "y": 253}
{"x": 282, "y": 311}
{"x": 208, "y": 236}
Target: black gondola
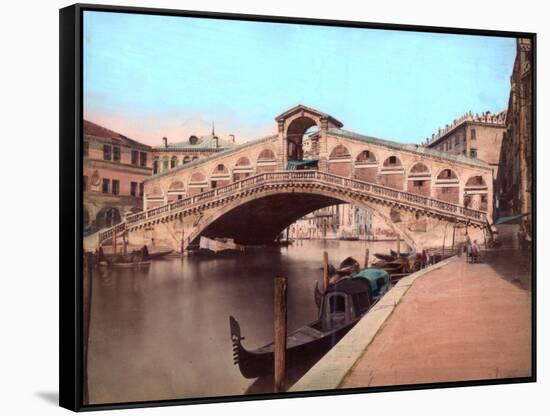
{"x": 343, "y": 305}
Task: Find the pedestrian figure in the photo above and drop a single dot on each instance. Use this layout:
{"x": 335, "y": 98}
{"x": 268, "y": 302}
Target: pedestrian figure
{"x": 475, "y": 252}
{"x": 468, "y": 247}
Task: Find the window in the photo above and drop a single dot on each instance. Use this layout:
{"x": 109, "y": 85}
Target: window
{"x": 173, "y": 162}
{"x": 85, "y": 184}
{"x": 155, "y": 166}
{"x": 165, "y": 164}
{"x": 133, "y": 188}
{"x": 135, "y": 156}
{"x": 86, "y": 148}
{"x": 473, "y": 134}
{"x": 142, "y": 159}
{"x": 105, "y": 186}
{"x": 393, "y": 160}
{"x": 106, "y": 152}
{"x": 116, "y": 187}
{"x": 473, "y": 153}
{"x": 220, "y": 168}
{"x": 418, "y": 184}
{"x": 457, "y": 140}
{"x": 141, "y": 190}
{"x": 116, "y": 153}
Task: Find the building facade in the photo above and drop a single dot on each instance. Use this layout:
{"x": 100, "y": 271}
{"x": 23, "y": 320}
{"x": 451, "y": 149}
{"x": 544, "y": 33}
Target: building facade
{"x": 514, "y": 182}
{"x": 171, "y": 155}
{"x": 115, "y": 168}
{"x": 340, "y": 221}
{"x": 476, "y": 136}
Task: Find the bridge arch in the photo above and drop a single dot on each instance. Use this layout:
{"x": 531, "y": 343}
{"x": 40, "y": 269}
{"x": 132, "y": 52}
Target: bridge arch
{"x": 419, "y": 179}
{"x": 295, "y": 135}
{"x": 232, "y": 219}
{"x": 175, "y": 191}
{"x": 266, "y": 160}
{"x": 447, "y": 185}
{"x": 220, "y": 176}
{"x": 242, "y": 169}
{"x": 197, "y": 183}
{"x": 366, "y": 166}
{"x": 475, "y": 193}
{"x": 339, "y": 161}
{"x": 392, "y": 173}
{"x": 154, "y": 197}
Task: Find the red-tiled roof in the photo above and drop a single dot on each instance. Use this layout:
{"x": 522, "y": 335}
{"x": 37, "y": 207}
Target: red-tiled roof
{"x": 96, "y": 130}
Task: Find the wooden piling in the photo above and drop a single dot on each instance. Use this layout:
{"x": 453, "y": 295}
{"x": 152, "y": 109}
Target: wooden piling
{"x": 124, "y": 243}
{"x": 280, "y": 333}
{"x": 325, "y": 271}
{"x": 114, "y": 242}
{"x": 366, "y": 263}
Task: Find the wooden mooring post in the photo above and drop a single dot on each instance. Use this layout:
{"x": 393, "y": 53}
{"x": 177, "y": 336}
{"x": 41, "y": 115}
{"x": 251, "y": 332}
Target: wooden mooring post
{"x": 366, "y": 263}
{"x": 325, "y": 271}
{"x": 280, "y": 333}
{"x": 114, "y": 241}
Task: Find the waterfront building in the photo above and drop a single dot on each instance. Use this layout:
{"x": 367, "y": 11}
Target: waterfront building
{"x": 476, "y": 136}
{"x": 514, "y": 184}
{"x": 114, "y": 169}
{"x": 170, "y": 155}
{"x": 340, "y": 222}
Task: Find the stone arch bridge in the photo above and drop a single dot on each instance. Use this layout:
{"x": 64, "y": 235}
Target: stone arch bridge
{"x": 253, "y": 191}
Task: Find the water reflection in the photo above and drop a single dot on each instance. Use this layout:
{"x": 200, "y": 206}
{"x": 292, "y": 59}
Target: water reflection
{"x": 163, "y": 333}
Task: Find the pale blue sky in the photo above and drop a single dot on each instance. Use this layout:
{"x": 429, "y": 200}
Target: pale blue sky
{"x": 149, "y": 75}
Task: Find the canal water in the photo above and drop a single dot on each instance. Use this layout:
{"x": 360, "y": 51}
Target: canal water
{"x": 163, "y": 333}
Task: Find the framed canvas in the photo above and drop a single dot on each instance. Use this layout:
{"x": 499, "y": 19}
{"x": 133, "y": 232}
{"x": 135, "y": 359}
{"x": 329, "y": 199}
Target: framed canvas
{"x": 258, "y": 207}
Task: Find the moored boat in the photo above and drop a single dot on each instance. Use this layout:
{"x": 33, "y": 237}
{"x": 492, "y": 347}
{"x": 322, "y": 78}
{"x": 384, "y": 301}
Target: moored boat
{"x": 343, "y": 304}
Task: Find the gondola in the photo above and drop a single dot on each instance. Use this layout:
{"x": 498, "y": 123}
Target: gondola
{"x": 343, "y": 305}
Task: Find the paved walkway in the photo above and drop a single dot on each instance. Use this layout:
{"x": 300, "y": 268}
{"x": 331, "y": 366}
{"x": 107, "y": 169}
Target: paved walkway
{"x": 460, "y": 322}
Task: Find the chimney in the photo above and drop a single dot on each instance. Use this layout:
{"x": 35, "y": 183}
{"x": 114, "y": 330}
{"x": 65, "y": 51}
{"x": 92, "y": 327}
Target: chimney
{"x": 165, "y": 141}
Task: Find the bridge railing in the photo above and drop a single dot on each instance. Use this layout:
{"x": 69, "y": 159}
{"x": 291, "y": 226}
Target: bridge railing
{"x": 299, "y": 176}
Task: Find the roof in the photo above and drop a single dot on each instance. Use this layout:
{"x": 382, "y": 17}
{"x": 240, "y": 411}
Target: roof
{"x": 407, "y": 147}
{"x": 212, "y": 157}
{"x": 203, "y": 143}
{"x": 96, "y": 130}
{"x": 301, "y": 107}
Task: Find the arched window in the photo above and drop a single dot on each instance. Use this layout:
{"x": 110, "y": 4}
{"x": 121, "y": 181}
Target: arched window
{"x": 266, "y": 154}
{"x": 186, "y": 159}
{"x": 340, "y": 152}
{"x": 446, "y": 174}
{"x": 392, "y": 162}
{"x": 165, "y": 163}
{"x": 156, "y": 166}
{"x": 173, "y": 162}
{"x": 366, "y": 156}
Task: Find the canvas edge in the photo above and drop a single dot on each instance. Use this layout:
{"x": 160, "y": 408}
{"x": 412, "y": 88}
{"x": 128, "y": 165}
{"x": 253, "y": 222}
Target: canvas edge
{"x": 70, "y": 199}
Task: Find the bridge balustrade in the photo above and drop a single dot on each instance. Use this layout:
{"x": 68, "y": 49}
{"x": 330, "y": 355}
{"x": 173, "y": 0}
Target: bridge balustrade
{"x": 289, "y": 176}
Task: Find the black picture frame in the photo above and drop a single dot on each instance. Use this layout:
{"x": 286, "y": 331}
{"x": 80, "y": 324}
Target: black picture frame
{"x": 71, "y": 354}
